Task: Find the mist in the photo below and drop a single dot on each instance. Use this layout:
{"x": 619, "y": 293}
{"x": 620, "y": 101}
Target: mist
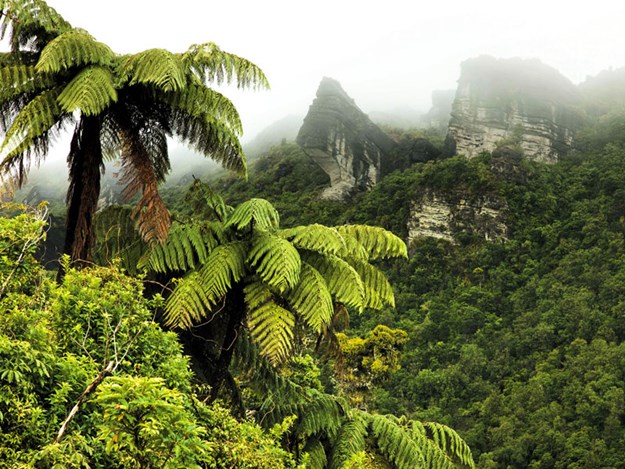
{"x": 387, "y": 56}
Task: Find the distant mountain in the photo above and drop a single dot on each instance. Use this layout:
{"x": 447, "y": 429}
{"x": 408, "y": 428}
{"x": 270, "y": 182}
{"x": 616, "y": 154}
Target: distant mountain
{"x": 284, "y": 129}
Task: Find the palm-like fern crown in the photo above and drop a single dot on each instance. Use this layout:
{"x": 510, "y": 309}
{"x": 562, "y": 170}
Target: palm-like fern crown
{"x": 290, "y": 276}
{"x": 55, "y": 73}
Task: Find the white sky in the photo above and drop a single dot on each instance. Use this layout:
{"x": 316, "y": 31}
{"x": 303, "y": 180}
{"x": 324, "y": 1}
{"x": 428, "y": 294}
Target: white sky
{"x": 386, "y": 54}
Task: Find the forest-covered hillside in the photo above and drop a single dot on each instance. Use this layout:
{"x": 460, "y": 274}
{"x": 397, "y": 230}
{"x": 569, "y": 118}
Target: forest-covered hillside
{"x": 517, "y": 344}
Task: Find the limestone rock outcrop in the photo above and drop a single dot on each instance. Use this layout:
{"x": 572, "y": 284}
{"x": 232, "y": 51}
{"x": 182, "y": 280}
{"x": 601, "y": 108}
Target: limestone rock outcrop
{"x": 343, "y": 141}
{"x": 516, "y": 103}
{"x": 445, "y": 217}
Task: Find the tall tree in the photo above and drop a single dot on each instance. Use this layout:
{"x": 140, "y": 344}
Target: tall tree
{"x": 122, "y": 106}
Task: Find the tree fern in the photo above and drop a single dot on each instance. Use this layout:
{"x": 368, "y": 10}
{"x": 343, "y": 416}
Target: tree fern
{"x": 270, "y": 325}
{"x": 378, "y": 242}
{"x": 224, "y": 267}
{"x": 316, "y": 454}
{"x": 73, "y": 48}
{"x": 254, "y": 213}
{"x": 395, "y": 443}
{"x": 275, "y": 261}
{"x": 90, "y": 91}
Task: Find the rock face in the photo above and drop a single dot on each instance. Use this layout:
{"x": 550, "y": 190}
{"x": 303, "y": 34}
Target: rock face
{"x": 343, "y": 141}
{"x": 522, "y": 104}
{"x": 438, "y": 216}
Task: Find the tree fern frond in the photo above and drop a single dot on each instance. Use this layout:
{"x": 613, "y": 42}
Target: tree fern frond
{"x": 317, "y": 458}
{"x": 378, "y": 290}
{"x": 138, "y": 173}
{"x": 202, "y": 102}
{"x": 90, "y": 91}
{"x": 19, "y": 79}
{"x": 311, "y": 299}
{"x": 36, "y": 118}
{"x": 448, "y": 440}
{"x": 30, "y": 23}
{"x": 378, "y": 242}
{"x": 256, "y": 213}
{"x": 211, "y": 64}
{"x": 198, "y": 292}
{"x": 395, "y": 443}
{"x": 187, "y": 246}
{"x": 207, "y": 203}
{"x": 210, "y": 137}
{"x": 73, "y": 48}
{"x": 353, "y": 249}
{"x": 350, "y": 438}
{"x": 157, "y": 67}
{"x": 342, "y": 280}
{"x": 275, "y": 261}
{"x": 270, "y": 325}
{"x": 321, "y": 413}
{"x": 315, "y": 237}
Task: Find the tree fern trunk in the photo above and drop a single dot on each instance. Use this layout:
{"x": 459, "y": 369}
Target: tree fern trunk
{"x": 236, "y": 312}
{"x": 85, "y": 166}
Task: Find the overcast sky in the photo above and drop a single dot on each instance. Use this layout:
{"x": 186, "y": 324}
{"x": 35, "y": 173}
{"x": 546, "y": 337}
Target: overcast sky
{"x": 386, "y": 54}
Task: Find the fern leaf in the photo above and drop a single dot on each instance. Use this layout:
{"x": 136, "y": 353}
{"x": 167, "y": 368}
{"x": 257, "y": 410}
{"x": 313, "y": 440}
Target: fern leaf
{"x": 270, "y": 325}
{"x": 19, "y": 79}
{"x": 157, "y": 67}
{"x": 211, "y": 64}
{"x": 90, "y": 91}
{"x": 395, "y": 443}
{"x": 317, "y": 458}
{"x": 448, "y": 440}
{"x": 35, "y": 119}
{"x": 315, "y": 237}
{"x": 198, "y": 292}
{"x": 311, "y": 299}
{"x": 320, "y": 414}
{"x": 210, "y": 137}
{"x": 202, "y": 102}
{"x": 73, "y": 48}
{"x": 350, "y": 439}
{"x": 275, "y": 261}
{"x": 342, "y": 280}
{"x": 378, "y": 242}
{"x": 378, "y": 290}
{"x": 255, "y": 213}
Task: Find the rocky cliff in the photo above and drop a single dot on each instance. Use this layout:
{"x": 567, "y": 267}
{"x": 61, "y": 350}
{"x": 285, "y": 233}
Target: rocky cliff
{"x": 516, "y": 104}
{"x": 343, "y": 141}
{"x": 446, "y": 217}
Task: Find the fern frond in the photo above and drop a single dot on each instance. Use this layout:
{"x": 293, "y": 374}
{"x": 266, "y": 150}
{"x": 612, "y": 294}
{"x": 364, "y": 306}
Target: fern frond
{"x": 35, "y": 119}
{"x": 311, "y": 299}
{"x": 275, "y": 261}
{"x": 186, "y": 247}
{"x": 210, "y": 137}
{"x": 378, "y": 242}
{"x": 30, "y": 23}
{"x": 204, "y": 103}
{"x": 20, "y": 79}
{"x": 73, "y": 48}
{"x": 378, "y": 290}
{"x": 317, "y": 458}
{"x": 139, "y": 172}
{"x": 206, "y": 203}
{"x": 211, "y": 64}
{"x": 395, "y": 443}
{"x": 157, "y": 67}
{"x": 270, "y": 325}
{"x": 315, "y": 237}
{"x": 447, "y": 439}
{"x": 198, "y": 292}
{"x": 322, "y": 413}
{"x": 342, "y": 280}
{"x": 90, "y": 91}
{"x": 255, "y": 213}
{"x": 350, "y": 438}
